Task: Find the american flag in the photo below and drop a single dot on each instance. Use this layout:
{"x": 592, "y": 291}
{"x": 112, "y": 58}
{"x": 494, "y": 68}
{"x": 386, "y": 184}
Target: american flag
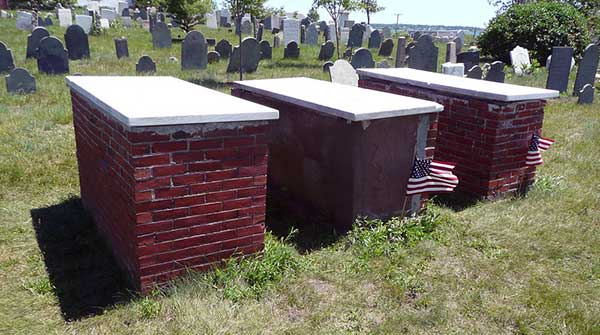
{"x": 537, "y": 145}
{"x": 431, "y": 176}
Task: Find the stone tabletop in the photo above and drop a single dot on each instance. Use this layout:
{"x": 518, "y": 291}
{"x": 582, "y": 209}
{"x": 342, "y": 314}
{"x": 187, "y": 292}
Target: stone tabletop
{"x": 348, "y": 102}
{"x": 464, "y": 86}
{"x": 161, "y": 101}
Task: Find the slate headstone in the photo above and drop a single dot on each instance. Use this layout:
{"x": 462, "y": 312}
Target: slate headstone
{"x": 459, "y": 44}
{"x": 383, "y": 65}
{"x": 519, "y": 59}
{"x": 302, "y": 34}
{"x": 77, "y": 43}
{"x": 423, "y": 55}
{"x": 223, "y": 48}
{"x": 24, "y": 20}
{"x": 121, "y": 47}
{"x": 496, "y": 72}
{"x": 143, "y": 14}
{"x": 558, "y": 74}
{"x": 194, "y": 51}
{"x": 327, "y": 65}
{"x": 223, "y": 21}
{"x": 48, "y": 21}
{"x": 126, "y": 12}
{"x": 250, "y": 56}
{"x": 145, "y": 65}
{"x": 586, "y": 94}
{"x": 327, "y": 50}
{"x": 260, "y": 32}
{"x": 588, "y": 66}
{"x": 451, "y": 52}
{"x": 291, "y": 50}
{"x": 387, "y": 47}
{"x": 7, "y": 61}
{"x": 266, "y": 52}
{"x": 20, "y": 81}
{"x": 362, "y": 58}
{"x": 342, "y": 72}
{"x": 85, "y": 22}
{"x": 52, "y": 58}
{"x": 161, "y": 36}
{"x": 375, "y": 39}
{"x": 474, "y": 72}
{"x": 211, "y": 42}
{"x": 454, "y": 69}
{"x": 355, "y": 38}
{"x": 305, "y": 22}
{"x": 347, "y": 54}
{"x": 213, "y": 57}
{"x": 401, "y": 52}
{"x": 469, "y": 58}
{"x": 312, "y": 34}
{"x": 387, "y": 32}
{"x": 33, "y": 41}
{"x": 276, "y": 41}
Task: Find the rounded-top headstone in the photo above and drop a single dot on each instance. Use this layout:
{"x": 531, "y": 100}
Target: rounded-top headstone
{"x": 7, "y": 62}
{"x": 362, "y": 58}
{"x": 20, "y": 81}
{"x": 291, "y": 50}
{"x": 76, "y": 41}
{"x": 588, "y": 66}
{"x": 223, "y": 48}
{"x": 327, "y": 65}
{"x": 161, "y": 36}
{"x": 375, "y": 39}
{"x": 387, "y": 47}
{"x": 33, "y": 41}
{"x": 145, "y": 65}
{"x": 327, "y": 50}
{"x": 250, "y": 56}
{"x": 194, "y": 51}
{"x": 266, "y": 52}
{"x": 52, "y": 56}
{"x": 213, "y": 57}
{"x": 342, "y": 72}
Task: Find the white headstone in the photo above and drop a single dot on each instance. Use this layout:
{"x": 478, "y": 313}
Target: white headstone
{"x": 24, "y": 20}
{"x": 291, "y": 31}
{"x": 226, "y": 13}
{"x": 342, "y": 72}
{"x": 519, "y": 58}
{"x": 121, "y": 5}
{"x": 82, "y": 3}
{"x": 211, "y": 21}
{"x": 107, "y": 13}
{"x": 93, "y": 6}
{"x": 104, "y": 23}
{"x": 454, "y": 69}
{"x": 64, "y": 17}
{"x": 367, "y": 34}
{"x": 332, "y": 35}
{"x": 126, "y": 21}
{"x": 344, "y": 36}
{"x": 85, "y": 22}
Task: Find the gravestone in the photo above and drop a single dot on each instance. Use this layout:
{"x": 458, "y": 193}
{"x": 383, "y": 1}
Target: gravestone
{"x": 48, "y": 21}
{"x": 161, "y": 36}
{"x": 423, "y": 55}
{"x": 126, "y": 21}
{"x": 213, "y": 57}
{"x": 344, "y": 36}
{"x": 347, "y": 54}
{"x": 122, "y": 9}
{"x": 401, "y": 52}
{"x": 126, "y": 12}
{"x": 223, "y": 48}
{"x": 275, "y": 31}
{"x": 387, "y": 47}
{"x": 327, "y": 50}
{"x": 145, "y": 65}
{"x": 268, "y": 22}
{"x": 342, "y": 72}
{"x": 586, "y": 94}
{"x": 246, "y": 27}
{"x": 362, "y": 58}
{"x": 588, "y": 66}
{"x": 387, "y": 32}
{"x": 276, "y": 41}
{"x": 211, "y": 21}
{"x": 549, "y": 62}
{"x": 312, "y": 34}
{"x": 121, "y": 47}
{"x": 291, "y": 31}
{"x": 211, "y": 42}
{"x": 459, "y": 44}
{"x": 474, "y": 72}
{"x": 93, "y": 6}
{"x": 7, "y": 61}
{"x": 327, "y": 65}
{"x": 266, "y": 52}
{"x": 76, "y": 41}
{"x": 52, "y": 57}
{"x": 349, "y": 23}
{"x": 302, "y": 34}
{"x": 558, "y": 74}
{"x": 454, "y": 69}
{"x": 519, "y": 59}
{"x": 194, "y": 51}
{"x": 143, "y": 14}
{"x": 375, "y": 39}
{"x": 496, "y": 72}
{"x": 64, "y": 17}
{"x": 259, "y": 33}
{"x": 355, "y": 39}
{"x": 291, "y": 50}
{"x": 331, "y": 34}
{"x": 451, "y": 52}
{"x": 323, "y": 27}
{"x": 383, "y": 65}
{"x": 469, "y": 58}
{"x": 108, "y": 13}
{"x": 223, "y": 22}
{"x": 85, "y": 22}
{"x": 305, "y": 22}
{"x": 152, "y": 21}
{"x": 250, "y": 59}
{"x": 24, "y": 20}
{"x": 33, "y": 41}
{"x": 20, "y": 81}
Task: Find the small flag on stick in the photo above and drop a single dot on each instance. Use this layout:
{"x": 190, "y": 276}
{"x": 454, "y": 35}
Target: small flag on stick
{"x": 536, "y": 147}
{"x": 430, "y": 176}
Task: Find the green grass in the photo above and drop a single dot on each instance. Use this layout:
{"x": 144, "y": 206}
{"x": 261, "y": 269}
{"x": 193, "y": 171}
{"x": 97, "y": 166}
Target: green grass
{"x": 521, "y": 265}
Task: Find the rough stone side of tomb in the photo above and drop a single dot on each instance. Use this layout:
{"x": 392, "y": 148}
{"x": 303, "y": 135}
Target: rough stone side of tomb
{"x": 168, "y": 201}
{"x": 488, "y": 140}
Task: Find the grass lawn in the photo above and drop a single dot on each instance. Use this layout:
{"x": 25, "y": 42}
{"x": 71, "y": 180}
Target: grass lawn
{"x": 520, "y": 265}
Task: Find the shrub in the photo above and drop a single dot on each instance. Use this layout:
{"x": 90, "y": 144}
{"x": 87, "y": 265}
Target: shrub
{"x": 39, "y": 4}
{"x": 537, "y": 26}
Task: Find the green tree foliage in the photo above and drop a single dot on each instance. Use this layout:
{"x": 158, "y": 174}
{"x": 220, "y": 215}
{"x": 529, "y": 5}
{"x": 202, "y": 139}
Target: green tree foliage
{"x": 313, "y": 14}
{"x": 537, "y": 26}
{"x": 39, "y": 4}
{"x": 335, "y": 8}
{"x": 188, "y": 13}
{"x": 370, "y": 7}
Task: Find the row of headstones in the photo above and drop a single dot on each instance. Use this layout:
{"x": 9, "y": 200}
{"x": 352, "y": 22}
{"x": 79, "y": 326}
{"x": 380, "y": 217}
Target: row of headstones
{"x": 18, "y": 80}
{"x": 51, "y": 56}
{"x": 559, "y": 70}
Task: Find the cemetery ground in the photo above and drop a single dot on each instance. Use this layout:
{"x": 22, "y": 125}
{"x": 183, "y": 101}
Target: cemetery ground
{"x": 525, "y": 264}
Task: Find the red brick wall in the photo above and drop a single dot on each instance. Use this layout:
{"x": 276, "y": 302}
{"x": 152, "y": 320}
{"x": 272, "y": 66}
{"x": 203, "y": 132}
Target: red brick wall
{"x": 487, "y": 139}
{"x": 172, "y": 198}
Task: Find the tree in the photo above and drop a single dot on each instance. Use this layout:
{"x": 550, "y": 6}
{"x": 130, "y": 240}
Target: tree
{"x": 370, "y": 7}
{"x": 313, "y": 14}
{"x": 39, "y": 4}
{"x": 188, "y": 13}
{"x": 335, "y": 8}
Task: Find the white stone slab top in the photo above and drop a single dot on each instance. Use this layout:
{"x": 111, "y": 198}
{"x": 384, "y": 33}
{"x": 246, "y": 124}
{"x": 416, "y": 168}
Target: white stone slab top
{"x": 464, "y": 86}
{"x": 348, "y": 102}
{"x": 160, "y": 101}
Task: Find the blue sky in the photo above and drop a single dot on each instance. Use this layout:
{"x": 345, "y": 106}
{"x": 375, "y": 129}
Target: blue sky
{"x": 445, "y": 12}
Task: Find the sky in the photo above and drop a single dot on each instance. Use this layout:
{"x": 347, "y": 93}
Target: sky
{"x": 475, "y": 13}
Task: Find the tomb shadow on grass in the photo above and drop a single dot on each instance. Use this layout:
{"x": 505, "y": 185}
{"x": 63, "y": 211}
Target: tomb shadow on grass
{"x": 456, "y": 201}
{"x": 311, "y": 231}
{"x": 79, "y": 263}
{"x": 211, "y": 83}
